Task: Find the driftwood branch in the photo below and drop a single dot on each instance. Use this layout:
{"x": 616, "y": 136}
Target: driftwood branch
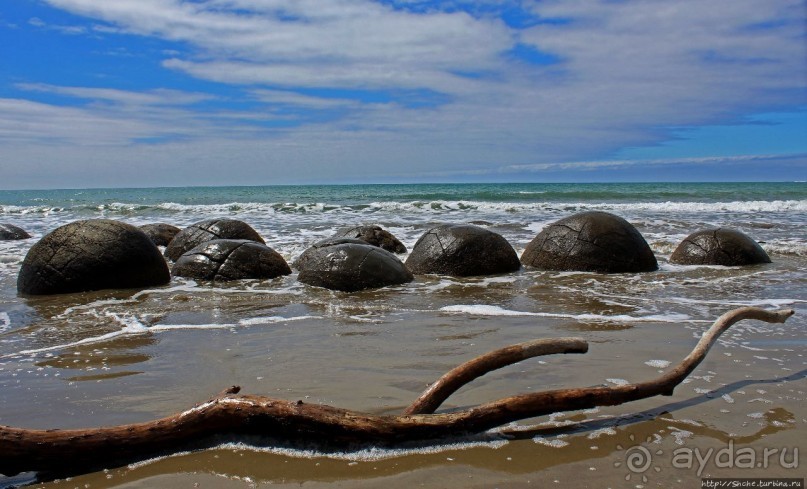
{"x": 430, "y": 400}
{"x": 230, "y": 413}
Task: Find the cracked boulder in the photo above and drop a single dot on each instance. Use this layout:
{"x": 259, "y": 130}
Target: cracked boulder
{"x": 720, "y": 246}
{"x": 231, "y": 259}
{"x": 374, "y": 235}
{"x": 462, "y": 250}
{"x": 349, "y": 265}
{"x": 590, "y": 242}
{"x": 160, "y": 234}
{"x": 201, "y": 232}
{"x": 92, "y": 255}
{"x": 9, "y": 232}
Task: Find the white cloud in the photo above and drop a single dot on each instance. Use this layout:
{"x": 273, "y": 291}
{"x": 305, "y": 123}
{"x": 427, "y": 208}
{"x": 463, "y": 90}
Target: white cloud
{"x": 64, "y": 29}
{"x": 151, "y": 97}
{"x": 628, "y": 72}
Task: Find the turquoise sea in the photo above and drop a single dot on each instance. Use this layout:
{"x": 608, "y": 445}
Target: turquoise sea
{"x": 123, "y": 356}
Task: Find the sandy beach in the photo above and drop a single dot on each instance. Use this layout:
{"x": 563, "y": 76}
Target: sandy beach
{"x": 124, "y": 356}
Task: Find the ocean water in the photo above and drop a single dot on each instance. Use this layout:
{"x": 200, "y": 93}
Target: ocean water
{"x": 124, "y": 356}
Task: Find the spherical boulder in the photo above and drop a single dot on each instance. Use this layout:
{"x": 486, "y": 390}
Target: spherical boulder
{"x": 720, "y": 246}
{"x": 374, "y": 235}
{"x": 231, "y": 259}
{"x": 196, "y": 234}
{"x": 590, "y": 242}
{"x": 160, "y": 234}
{"x": 92, "y": 255}
{"x": 9, "y": 232}
{"x": 462, "y": 250}
{"x": 349, "y": 265}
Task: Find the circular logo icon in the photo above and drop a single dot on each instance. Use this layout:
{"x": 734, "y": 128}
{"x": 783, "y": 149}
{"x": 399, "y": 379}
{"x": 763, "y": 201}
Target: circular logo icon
{"x": 638, "y": 459}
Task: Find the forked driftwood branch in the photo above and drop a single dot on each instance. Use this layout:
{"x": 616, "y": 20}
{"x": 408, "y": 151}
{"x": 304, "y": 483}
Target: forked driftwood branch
{"x": 230, "y": 413}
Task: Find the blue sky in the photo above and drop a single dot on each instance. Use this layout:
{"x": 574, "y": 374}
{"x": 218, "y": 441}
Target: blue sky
{"x": 97, "y": 93}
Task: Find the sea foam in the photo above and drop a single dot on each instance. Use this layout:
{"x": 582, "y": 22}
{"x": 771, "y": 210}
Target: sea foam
{"x": 488, "y": 310}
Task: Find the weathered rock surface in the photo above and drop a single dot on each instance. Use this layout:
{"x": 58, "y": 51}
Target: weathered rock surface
{"x": 591, "y": 242}
{"x": 721, "y": 246}
{"x": 92, "y": 255}
{"x": 462, "y": 251}
{"x": 231, "y": 259}
{"x": 198, "y": 233}
{"x": 374, "y": 235}
{"x": 160, "y": 234}
{"x": 349, "y": 265}
{"x": 9, "y": 232}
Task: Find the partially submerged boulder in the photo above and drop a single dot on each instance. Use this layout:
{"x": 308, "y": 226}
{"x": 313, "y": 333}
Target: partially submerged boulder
{"x": 721, "y": 246}
{"x": 592, "y": 242}
{"x": 92, "y": 255}
{"x": 231, "y": 259}
{"x": 200, "y": 232}
{"x": 160, "y": 234}
{"x": 349, "y": 265}
{"x": 374, "y": 235}
{"x": 462, "y": 250}
{"x": 9, "y": 232}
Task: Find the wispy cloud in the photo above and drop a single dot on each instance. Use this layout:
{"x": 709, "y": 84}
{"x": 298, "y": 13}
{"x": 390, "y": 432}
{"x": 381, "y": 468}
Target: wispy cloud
{"x": 72, "y": 30}
{"x": 150, "y": 97}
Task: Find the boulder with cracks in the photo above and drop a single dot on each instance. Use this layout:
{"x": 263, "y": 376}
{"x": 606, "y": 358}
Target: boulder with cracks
{"x": 89, "y": 255}
{"x": 200, "y": 232}
{"x": 9, "y": 232}
{"x": 160, "y": 234}
{"x": 350, "y": 265}
{"x": 462, "y": 250}
{"x": 231, "y": 259}
{"x": 720, "y": 246}
{"x": 374, "y": 235}
{"x": 590, "y": 242}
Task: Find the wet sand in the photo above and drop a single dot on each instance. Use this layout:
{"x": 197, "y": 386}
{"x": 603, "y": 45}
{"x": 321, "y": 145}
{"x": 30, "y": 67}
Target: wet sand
{"x": 376, "y": 351}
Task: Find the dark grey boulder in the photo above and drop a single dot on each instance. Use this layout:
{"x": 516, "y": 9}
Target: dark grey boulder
{"x": 349, "y": 265}
{"x": 462, "y": 250}
{"x": 160, "y": 234}
{"x": 231, "y": 259}
{"x": 92, "y": 255}
{"x": 9, "y": 232}
{"x": 720, "y": 246}
{"x": 374, "y": 235}
{"x": 196, "y": 234}
{"x": 590, "y": 242}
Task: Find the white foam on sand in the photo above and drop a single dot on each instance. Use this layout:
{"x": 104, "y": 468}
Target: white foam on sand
{"x": 5, "y": 321}
{"x": 555, "y": 442}
{"x": 657, "y": 363}
{"x": 488, "y": 310}
{"x": 133, "y": 326}
{"x": 369, "y": 454}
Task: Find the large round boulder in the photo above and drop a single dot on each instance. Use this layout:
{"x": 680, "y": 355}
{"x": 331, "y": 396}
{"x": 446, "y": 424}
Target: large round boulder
{"x": 349, "y": 265}
{"x": 10, "y": 232}
{"x": 590, "y": 242}
{"x": 462, "y": 250}
{"x": 160, "y": 234}
{"x": 374, "y": 235}
{"x": 721, "y": 246}
{"x": 231, "y": 259}
{"x": 92, "y": 255}
{"x": 196, "y": 234}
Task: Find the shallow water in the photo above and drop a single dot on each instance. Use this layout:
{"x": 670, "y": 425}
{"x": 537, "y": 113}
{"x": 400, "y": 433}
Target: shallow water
{"x": 124, "y": 356}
